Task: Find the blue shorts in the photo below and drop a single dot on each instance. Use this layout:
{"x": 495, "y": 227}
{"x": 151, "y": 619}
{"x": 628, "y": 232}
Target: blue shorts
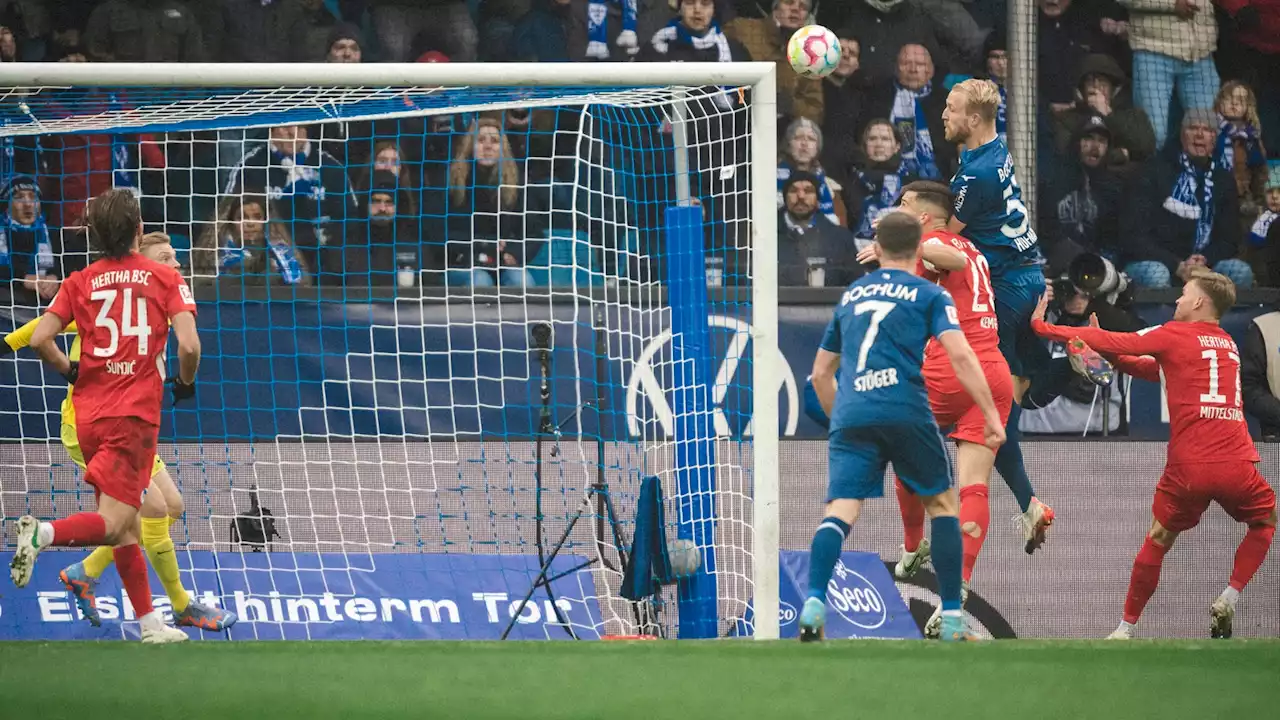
{"x": 858, "y": 457}
{"x": 1016, "y": 297}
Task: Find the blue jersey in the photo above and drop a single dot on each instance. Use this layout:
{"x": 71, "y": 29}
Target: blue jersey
{"x": 989, "y": 203}
{"x": 880, "y": 329}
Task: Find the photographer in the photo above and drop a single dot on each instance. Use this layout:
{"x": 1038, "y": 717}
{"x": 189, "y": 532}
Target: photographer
{"x": 1061, "y": 400}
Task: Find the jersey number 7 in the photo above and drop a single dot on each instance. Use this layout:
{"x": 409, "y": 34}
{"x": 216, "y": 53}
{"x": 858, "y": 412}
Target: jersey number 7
{"x": 879, "y": 310}
{"x": 133, "y": 323}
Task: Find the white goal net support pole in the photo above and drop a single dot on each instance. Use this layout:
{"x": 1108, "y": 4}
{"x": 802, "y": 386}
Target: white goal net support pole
{"x": 416, "y": 471}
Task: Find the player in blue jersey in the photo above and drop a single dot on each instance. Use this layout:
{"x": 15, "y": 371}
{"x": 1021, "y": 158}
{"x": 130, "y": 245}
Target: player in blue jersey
{"x": 989, "y": 212}
{"x": 880, "y": 413}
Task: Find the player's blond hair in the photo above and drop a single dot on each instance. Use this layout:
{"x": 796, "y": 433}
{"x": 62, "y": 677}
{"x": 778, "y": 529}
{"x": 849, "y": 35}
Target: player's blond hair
{"x": 982, "y": 97}
{"x": 1219, "y": 288}
{"x": 153, "y": 238}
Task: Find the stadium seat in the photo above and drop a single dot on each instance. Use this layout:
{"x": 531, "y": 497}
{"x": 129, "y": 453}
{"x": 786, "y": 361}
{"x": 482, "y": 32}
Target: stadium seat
{"x": 566, "y": 256}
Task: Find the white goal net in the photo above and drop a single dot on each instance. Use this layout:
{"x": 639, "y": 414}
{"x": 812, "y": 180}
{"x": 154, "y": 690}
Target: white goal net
{"x": 453, "y": 317}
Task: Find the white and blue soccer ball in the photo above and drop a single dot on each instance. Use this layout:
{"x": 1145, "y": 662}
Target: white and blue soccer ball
{"x": 685, "y": 557}
{"x": 813, "y": 51}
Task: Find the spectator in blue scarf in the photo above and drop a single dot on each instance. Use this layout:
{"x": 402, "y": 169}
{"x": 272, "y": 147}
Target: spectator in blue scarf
{"x": 910, "y": 101}
{"x": 878, "y": 178}
{"x": 249, "y": 238}
{"x": 1182, "y": 214}
{"x": 801, "y": 148}
{"x": 26, "y": 245}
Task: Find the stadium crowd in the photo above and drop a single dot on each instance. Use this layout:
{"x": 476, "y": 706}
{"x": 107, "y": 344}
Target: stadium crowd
{"x": 1155, "y": 133}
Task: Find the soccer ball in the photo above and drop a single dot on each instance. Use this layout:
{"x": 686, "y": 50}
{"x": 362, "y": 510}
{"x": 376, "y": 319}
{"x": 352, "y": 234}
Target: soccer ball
{"x": 685, "y": 557}
{"x": 813, "y": 51}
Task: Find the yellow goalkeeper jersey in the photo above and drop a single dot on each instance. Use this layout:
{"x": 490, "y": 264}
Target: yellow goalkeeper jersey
{"x": 21, "y": 338}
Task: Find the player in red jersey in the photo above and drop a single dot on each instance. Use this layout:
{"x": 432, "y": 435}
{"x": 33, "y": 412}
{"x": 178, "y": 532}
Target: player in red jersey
{"x": 957, "y": 265}
{"x": 1211, "y": 456}
{"x": 123, "y": 306}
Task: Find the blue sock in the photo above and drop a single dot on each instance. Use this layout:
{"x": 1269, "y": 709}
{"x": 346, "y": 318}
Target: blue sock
{"x": 828, "y": 540}
{"x": 947, "y": 555}
{"x": 1009, "y": 461}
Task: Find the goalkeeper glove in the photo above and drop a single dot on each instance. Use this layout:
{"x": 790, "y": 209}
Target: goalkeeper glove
{"x": 182, "y": 391}
{"x": 72, "y": 374}
{"x": 1089, "y": 364}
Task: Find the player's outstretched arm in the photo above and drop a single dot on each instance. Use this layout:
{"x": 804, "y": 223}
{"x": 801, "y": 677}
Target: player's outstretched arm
{"x": 942, "y": 257}
{"x": 1145, "y": 342}
{"x": 969, "y": 373}
{"x": 50, "y": 324}
{"x": 21, "y": 337}
{"x": 824, "y": 378}
{"x": 1142, "y": 367}
{"x": 184, "y": 326}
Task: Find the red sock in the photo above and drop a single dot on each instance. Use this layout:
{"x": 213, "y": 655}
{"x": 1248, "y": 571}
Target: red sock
{"x": 86, "y": 529}
{"x": 975, "y": 516}
{"x": 133, "y": 573}
{"x": 1249, "y": 556}
{"x": 1143, "y": 581}
{"x": 912, "y": 516}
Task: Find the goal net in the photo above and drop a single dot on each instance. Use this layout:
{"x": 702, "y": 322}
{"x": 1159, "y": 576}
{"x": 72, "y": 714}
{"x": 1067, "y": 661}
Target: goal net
{"x": 453, "y": 318}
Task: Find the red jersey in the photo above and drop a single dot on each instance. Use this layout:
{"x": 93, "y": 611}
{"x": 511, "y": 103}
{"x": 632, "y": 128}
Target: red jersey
{"x": 122, "y": 309}
{"x": 971, "y": 290}
{"x": 1201, "y": 368}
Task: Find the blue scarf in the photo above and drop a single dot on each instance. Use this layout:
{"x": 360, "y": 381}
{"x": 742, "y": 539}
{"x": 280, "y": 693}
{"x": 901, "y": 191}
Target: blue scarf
{"x": 826, "y": 202}
{"x": 676, "y": 32}
{"x": 880, "y": 192}
{"x": 283, "y": 255}
{"x": 303, "y": 182}
{"x": 1261, "y": 226}
{"x": 598, "y": 20}
{"x": 1193, "y": 200}
{"x": 41, "y": 257}
{"x": 913, "y": 127}
{"x": 1224, "y": 155}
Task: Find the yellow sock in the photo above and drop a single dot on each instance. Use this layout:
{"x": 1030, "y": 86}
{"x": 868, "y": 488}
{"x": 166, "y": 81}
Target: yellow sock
{"x": 98, "y": 562}
{"x": 155, "y": 538}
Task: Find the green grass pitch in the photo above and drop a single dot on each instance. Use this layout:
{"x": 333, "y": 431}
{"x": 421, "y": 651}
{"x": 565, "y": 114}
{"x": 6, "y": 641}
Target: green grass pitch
{"x": 619, "y": 681}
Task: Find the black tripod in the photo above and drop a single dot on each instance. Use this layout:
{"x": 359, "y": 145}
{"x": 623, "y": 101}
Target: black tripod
{"x": 597, "y": 492}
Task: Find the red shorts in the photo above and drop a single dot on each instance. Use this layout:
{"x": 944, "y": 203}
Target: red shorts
{"x": 1185, "y": 490}
{"x": 953, "y": 406}
{"x": 118, "y": 454}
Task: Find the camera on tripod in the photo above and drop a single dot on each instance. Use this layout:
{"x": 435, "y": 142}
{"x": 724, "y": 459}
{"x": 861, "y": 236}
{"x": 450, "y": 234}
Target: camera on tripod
{"x": 1097, "y": 277}
{"x": 253, "y": 531}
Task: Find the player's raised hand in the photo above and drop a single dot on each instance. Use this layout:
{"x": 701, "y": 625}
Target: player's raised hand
{"x": 1093, "y": 321}
{"x": 1042, "y": 307}
{"x": 869, "y": 254}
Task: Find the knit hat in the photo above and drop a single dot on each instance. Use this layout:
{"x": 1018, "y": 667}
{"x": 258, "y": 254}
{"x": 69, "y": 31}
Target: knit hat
{"x": 997, "y": 39}
{"x": 20, "y": 182}
{"x": 1200, "y": 116}
{"x": 1094, "y": 124}
{"x": 384, "y": 182}
{"x": 800, "y": 176}
{"x": 346, "y": 31}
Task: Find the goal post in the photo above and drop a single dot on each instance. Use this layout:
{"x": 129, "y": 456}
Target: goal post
{"x": 362, "y": 483}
